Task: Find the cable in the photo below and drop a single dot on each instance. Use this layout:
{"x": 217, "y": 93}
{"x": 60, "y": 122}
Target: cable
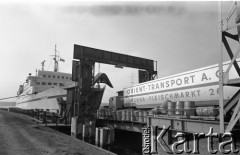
{"x": 50, "y": 62}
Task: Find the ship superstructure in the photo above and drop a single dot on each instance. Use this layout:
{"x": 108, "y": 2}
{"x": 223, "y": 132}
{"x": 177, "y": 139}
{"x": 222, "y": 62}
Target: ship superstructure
{"x": 44, "y": 89}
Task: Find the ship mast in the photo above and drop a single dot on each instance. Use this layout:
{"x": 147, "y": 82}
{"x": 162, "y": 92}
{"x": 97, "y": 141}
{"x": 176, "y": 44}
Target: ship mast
{"x": 55, "y": 60}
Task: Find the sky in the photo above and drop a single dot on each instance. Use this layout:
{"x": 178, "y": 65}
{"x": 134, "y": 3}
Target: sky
{"x": 180, "y": 36}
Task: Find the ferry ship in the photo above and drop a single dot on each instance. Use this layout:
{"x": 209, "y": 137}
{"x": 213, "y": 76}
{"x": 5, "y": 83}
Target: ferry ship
{"x": 45, "y": 89}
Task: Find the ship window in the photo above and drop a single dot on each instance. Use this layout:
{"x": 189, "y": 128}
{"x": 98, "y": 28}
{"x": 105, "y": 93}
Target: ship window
{"x": 62, "y": 77}
{"x": 49, "y": 83}
{"x": 49, "y": 76}
{"x": 44, "y": 75}
{"x": 38, "y": 83}
{"x": 55, "y": 84}
{"x": 58, "y": 76}
{"x": 66, "y": 77}
{"x": 43, "y": 83}
{"x": 70, "y": 78}
{"x": 53, "y": 76}
{"x": 60, "y": 84}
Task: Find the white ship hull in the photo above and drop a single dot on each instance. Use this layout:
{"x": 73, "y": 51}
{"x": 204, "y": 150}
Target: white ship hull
{"x": 43, "y": 100}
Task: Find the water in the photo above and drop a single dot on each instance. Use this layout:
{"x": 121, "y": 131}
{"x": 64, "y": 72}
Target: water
{"x": 126, "y": 142}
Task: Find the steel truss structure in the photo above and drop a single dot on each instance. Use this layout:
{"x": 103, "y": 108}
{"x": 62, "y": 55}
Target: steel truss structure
{"x": 234, "y": 102}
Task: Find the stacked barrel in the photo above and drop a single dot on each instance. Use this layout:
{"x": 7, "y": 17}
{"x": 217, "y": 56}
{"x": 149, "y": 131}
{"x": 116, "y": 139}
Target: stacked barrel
{"x": 186, "y": 108}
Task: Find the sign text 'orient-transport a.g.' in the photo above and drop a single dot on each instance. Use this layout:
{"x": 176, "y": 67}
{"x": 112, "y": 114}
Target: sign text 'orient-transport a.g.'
{"x": 196, "y": 85}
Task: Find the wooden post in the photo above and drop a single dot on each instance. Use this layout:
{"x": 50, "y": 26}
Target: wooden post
{"x": 79, "y": 131}
{"x": 92, "y": 132}
{"x": 103, "y": 137}
{"x": 97, "y": 136}
{"x": 74, "y": 127}
{"x": 85, "y": 132}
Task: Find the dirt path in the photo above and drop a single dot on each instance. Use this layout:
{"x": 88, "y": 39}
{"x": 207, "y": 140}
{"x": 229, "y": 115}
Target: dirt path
{"x": 20, "y": 135}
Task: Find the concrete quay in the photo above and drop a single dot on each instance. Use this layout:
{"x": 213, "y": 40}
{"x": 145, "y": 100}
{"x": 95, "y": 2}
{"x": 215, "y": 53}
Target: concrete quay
{"x": 20, "y": 134}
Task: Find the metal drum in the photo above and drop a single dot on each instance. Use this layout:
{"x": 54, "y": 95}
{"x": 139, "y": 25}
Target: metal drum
{"x": 145, "y": 114}
{"x": 164, "y": 107}
{"x": 171, "y": 108}
{"x": 119, "y": 115}
{"x": 179, "y": 108}
{"x": 155, "y": 111}
{"x": 207, "y": 111}
{"x": 189, "y": 107}
{"x": 123, "y": 115}
{"x": 141, "y": 116}
{"x": 129, "y": 112}
{"x": 114, "y": 115}
{"x": 136, "y": 113}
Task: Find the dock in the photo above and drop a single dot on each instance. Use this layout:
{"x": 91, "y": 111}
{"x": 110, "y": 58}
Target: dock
{"x": 22, "y": 135}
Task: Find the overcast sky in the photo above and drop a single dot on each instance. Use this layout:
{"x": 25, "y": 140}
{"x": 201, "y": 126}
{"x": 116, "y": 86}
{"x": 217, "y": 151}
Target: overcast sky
{"x": 180, "y": 36}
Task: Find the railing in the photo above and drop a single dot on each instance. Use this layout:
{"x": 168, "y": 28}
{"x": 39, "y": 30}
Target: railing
{"x": 44, "y": 116}
{"x": 133, "y": 115}
{"x": 129, "y": 115}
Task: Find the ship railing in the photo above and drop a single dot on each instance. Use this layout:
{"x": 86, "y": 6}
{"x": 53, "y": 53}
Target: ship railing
{"x": 4, "y": 108}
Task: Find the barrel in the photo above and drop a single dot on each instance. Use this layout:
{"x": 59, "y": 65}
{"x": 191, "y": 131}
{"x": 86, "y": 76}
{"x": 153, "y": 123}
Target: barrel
{"x": 145, "y": 114}
{"x": 164, "y": 107}
{"x": 156, "y": 111}
{"x": 207, "y": 111}
{"x": 179, "y": 108}
{"x": 119, "y": 115}
{"x": 141, "y": 116}
{"x": 124, "y": 115}
{"x": 114, "y": 115}
{"x": 189, "y": 107}
{"x": 136, "y": 114}
{"x": 171, "y": 108}
{"x": 129, "y": 111}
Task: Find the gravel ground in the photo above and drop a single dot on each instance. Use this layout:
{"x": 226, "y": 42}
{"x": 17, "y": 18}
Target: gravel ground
{"x": 20, "y": 135}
